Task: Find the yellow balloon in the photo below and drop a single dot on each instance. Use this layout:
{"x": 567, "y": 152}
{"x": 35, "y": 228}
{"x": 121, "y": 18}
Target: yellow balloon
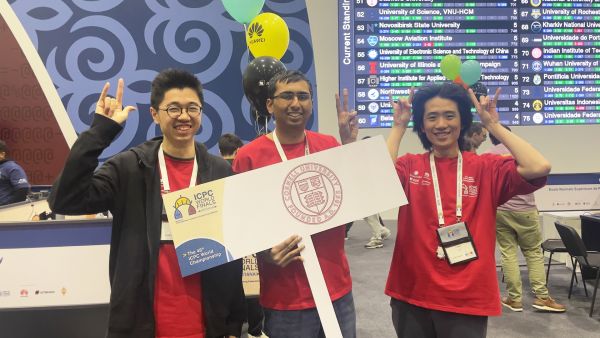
{"x": 268, "y": 35}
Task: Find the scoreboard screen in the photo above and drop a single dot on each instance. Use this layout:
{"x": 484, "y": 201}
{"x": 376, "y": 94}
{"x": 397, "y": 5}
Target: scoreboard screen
{"x": 544, "y": 54}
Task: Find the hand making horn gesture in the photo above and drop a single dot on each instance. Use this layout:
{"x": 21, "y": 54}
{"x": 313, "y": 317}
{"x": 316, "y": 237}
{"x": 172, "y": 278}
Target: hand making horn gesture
{"x": 486, "y": 107}
{"x": 113, "y": 107}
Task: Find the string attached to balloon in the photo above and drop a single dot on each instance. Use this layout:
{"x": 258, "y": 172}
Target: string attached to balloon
{"x": 261, "y": 123}
{"x": 465, "y": 74}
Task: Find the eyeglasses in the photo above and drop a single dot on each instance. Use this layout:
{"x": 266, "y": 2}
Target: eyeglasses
{"x": 175, "y": 111}
{"x": 289, "y": 96}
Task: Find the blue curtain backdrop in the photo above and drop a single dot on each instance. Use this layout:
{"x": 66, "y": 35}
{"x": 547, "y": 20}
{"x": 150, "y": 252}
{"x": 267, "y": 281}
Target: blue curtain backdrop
{"x": 85, "y": 43}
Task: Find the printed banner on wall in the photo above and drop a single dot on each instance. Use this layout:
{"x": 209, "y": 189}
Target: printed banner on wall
{"x": 84, "y": 44}
{"x": 250, "y": 276}
{"x": 564, "y": 192}
{"x": 27, "y": 123}
{"x": 54, "y": 263}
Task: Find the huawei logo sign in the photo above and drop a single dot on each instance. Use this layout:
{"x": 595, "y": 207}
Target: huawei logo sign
{"x": 255, "y": 28}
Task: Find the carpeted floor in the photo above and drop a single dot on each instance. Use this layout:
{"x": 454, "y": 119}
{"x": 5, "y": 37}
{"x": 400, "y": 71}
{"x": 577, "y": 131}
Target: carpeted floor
{"x": 369, "y": 268}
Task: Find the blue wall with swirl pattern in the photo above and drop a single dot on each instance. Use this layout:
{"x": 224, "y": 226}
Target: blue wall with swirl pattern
{"x": 85, "y": 43}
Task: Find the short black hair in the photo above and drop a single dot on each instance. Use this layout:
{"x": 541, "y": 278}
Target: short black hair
{"x": 173, "y": 78}
{"x": 288, "y": 76}
{"x": 475, "y": 128}
{"x": 494, "y": 140}
{"x": 3, "y": 147}
{"x": 229, "y": 143}
{"x": 448, "y": 91}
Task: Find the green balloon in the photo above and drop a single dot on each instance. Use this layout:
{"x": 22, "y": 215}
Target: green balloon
{"x": 470, "y": 72}
{"x": 450, "y": 66}
{"x": 243, "y": 11}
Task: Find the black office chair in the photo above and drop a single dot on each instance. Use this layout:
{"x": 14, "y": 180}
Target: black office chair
{"x": 553, "y": 246}
{"x": 586, "y": 259}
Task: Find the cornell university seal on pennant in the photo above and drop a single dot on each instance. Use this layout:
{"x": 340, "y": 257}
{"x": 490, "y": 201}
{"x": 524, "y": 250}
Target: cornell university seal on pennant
{"x": 312, "y": 193}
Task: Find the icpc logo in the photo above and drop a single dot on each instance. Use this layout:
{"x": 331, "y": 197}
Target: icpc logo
{"x": 183, "y": 205}
{"x": 257, "y": 29}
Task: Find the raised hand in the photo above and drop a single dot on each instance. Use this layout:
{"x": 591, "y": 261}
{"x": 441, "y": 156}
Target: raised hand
{"x": 113, "y": 107}
{"x": 403, "y": 109}
{"x": 486, "y": 107}
{"x": 402, "y": 112}
{"x": 347, "y": 120}
{"x": 285, "y": 252}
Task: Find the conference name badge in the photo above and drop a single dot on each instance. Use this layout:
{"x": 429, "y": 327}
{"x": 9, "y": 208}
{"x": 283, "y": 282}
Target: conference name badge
{"x": 457, "y": 243}
{"x": 195, "y": 226}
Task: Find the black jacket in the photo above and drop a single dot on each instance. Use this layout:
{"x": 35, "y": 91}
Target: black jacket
{"x": 128, "y": 185}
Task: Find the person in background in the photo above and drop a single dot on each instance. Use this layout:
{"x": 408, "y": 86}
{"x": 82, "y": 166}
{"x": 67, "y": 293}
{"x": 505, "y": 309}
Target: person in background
{"x": 13, "y": 180}
{"x": 290, "y": 310}
{"x": 149, "y": 297}
{"x": 379, "y": 232}
{"x": 439, "y": 286}
{"x": 229, "y": 145}
{"x": 475, "y": 136}
{"x": 517, "y": 225}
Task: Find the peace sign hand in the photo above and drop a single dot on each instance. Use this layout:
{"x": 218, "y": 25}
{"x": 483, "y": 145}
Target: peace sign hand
{"x": 403, "y": 109}
{"x": 113, "y": 107}
{"x": 347, "y": 120}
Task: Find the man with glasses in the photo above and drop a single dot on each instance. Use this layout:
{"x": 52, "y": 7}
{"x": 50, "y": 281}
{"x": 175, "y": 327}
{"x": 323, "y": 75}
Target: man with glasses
{"x": 149, "y": 298}
{"x": 284, "y": 291}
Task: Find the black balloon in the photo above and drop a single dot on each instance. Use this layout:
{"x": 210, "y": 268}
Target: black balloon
{"x": 479, "y": 89}
{"x": 256, "y": 81}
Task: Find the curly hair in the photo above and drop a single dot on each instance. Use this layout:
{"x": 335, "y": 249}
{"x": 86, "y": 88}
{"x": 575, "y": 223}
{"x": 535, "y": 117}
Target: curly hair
{"x": 448, "y": 91}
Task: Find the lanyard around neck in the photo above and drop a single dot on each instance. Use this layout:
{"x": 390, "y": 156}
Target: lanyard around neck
{"x": 280, "y": 148}
{"x": 165, "y": 176}
{"x": 436, "y": 188}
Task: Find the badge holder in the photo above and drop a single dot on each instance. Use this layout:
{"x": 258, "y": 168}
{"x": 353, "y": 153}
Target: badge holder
{"x": 457, "y": 243}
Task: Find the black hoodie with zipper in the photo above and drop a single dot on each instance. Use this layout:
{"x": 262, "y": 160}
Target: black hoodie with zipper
{"x": 128, "y": 185}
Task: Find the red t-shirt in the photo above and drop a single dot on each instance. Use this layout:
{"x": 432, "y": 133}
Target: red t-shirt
{"x": 416, "y": 275}
{"x": 177, "y": 300}
{"x": 287, "y": 288}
